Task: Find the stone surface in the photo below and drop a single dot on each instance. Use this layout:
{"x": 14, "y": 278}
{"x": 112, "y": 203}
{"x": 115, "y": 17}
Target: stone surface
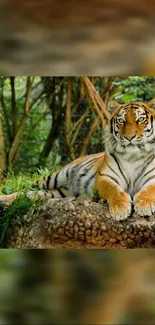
{"x": 58, "y": 225}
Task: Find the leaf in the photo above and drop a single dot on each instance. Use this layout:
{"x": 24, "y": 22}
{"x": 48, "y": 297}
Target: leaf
{"x": 7, "y": 190}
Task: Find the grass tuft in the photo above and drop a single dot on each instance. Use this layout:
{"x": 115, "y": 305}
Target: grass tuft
{"x": 22, "y": 184}
{"x": 19, "y": 207}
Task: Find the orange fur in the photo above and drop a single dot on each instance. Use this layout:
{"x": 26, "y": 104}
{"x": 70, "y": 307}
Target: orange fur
{"x": 131, "y": 128}
{"x": 118, "y": 200}
{"x": 145, "y": 199}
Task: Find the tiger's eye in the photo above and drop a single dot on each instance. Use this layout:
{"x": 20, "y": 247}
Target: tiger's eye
{"x": 120, "y": 120}
{"x": 141, "y": 119}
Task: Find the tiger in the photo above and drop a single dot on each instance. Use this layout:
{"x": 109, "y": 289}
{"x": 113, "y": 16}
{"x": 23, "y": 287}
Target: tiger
{"x": 123, "y": 175}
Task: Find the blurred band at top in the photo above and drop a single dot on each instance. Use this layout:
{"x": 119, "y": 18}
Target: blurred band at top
{"x": 77, "y": 37}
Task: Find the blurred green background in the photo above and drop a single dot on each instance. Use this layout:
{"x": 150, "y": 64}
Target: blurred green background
{"x": 77, "y": 287}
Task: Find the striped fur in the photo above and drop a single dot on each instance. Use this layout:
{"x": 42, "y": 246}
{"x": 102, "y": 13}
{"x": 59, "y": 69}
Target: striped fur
{"x": 122, "y": 175}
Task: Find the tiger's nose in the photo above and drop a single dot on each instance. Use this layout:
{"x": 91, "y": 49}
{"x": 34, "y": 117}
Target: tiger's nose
{"x": 130, "y": 137}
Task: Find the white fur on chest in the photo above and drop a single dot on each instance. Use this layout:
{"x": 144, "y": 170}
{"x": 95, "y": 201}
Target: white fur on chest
{"x": 135, "y": 164}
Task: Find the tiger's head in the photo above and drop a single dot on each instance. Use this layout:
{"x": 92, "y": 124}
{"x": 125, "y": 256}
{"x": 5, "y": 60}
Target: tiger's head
{"x": 132, "y": 126}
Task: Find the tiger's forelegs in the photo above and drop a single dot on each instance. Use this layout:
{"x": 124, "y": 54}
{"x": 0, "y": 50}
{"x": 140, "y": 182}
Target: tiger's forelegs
{"x": 144, "y": 201}
{"x": 118, "y": 200}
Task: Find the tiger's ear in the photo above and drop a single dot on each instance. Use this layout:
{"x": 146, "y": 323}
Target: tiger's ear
{"x": 112, "y": 105}
{"x": 151, "y": 103}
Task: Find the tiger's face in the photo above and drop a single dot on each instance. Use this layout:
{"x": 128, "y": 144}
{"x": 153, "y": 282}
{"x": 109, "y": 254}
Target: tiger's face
{"x": 131, "y": 129}
{"x": 133, "y": 124}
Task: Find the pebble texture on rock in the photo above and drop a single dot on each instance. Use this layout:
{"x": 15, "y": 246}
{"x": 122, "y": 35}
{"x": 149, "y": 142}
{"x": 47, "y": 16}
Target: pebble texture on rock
{"x": 77, "y": 223}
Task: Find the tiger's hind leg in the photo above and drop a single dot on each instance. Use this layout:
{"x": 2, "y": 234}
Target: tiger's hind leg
{"x": 8, "y": 199}
{"x": 59, "y": 193}
{"x": 51, "y": 186}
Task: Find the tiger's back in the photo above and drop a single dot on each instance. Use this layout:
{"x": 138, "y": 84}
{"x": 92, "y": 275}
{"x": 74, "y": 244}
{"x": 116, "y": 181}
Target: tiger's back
{"x": 76, "y": 178}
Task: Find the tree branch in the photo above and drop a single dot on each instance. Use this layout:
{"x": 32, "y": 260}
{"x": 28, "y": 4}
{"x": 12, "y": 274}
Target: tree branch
{"x": 96, "y": 99}
{"x": 18, "y": 135}
{"x": 13, "y": 102}
{"x": 5, "y": 112}
{"x": 88, "y": 136}
{"x": 68, "y": 118}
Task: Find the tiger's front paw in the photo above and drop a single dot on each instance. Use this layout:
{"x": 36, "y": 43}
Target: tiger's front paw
{"x": 120, "y": 206}
{"x": 144, "y": 203}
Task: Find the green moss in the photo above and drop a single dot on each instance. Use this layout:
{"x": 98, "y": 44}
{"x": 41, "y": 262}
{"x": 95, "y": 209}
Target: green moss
{"x": 22, "y": 184}
{"x": 19, "y": 207}
{"x": 96, "y": 195}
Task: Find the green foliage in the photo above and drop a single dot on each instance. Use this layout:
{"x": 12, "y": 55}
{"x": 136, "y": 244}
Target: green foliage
{"x": 17, "y": 183}
{"x": 19, "y": 207}
{"x": 96, "y": 195}
{"x": 20, "y": 182}
{"x": 134, "y": 88}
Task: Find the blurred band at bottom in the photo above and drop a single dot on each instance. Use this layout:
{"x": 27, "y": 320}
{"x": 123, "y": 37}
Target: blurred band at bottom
{"x": 77, "y": 287}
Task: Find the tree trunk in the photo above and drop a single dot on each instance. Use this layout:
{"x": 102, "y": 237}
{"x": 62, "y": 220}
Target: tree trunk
{"x": 2, "y": 152}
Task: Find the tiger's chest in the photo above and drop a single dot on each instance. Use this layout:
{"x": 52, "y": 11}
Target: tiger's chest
{"x": 137, "y": 173}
